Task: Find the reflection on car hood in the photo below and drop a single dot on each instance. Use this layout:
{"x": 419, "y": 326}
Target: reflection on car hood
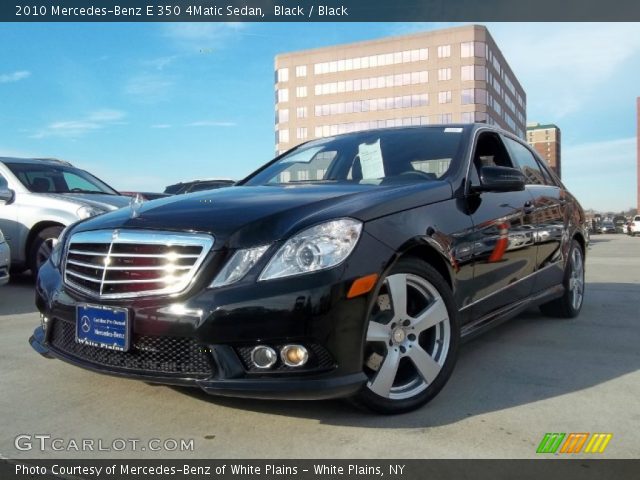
{"x": 246, "y": 216}
{"x": 104, "y": 201}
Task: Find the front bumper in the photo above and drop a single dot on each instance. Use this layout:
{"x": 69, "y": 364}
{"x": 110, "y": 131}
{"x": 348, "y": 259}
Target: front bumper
{"x": 204, "y": 341}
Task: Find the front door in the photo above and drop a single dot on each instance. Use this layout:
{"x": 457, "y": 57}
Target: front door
{"x": 504, "y": 250}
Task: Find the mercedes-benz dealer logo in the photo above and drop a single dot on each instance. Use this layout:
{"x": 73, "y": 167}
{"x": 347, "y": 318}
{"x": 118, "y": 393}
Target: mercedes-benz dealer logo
{"x": 86, "y": 324}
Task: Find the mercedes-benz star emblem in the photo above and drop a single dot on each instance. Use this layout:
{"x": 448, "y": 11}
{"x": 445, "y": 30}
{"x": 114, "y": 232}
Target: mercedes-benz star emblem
{"x": 86, "y": 324}
{"x": 136, "y": 202}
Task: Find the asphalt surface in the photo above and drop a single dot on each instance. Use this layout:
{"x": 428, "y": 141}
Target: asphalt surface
{"x": 527, "y": 377}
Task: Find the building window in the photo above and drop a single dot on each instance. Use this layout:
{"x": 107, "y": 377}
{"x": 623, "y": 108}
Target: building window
{"x": 283, "y": 95}
{"x": 444, "y": 51}
{"x": 301, "y": 71}
{"x": 283, "y": 75}
{"x": 467, "y": 117}
{"x": 444, "y": 97}
{"x": 301, "y": 112}
{"x": 301, "y": 92}
{"x": 283, "y": 115}
{"x": 283, "y": 136}
{"x": 472, "y": 49}
{"x": 301, "y": 133}
{"x": 466, "y": 96}
{"x": 466, "y": 73}
{"x": 444, "y": 74}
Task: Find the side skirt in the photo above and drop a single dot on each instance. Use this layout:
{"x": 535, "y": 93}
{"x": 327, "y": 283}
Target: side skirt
{"x": 493, "y": 319}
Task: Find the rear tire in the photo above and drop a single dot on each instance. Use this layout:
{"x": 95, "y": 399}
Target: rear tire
{"x": 41, "y": 247}
{"x": 412, "y": 339}
{"x": 570, "y": 304}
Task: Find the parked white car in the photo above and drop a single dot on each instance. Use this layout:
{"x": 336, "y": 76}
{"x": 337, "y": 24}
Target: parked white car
{"x": 634, "y": 227}
{"x": 39, "y": 197}
{"x": 5, "y": 260}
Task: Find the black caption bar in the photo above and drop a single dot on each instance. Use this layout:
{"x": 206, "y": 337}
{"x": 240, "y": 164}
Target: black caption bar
{"x": 320, "y": 469}
{"x": 317, "y": 11}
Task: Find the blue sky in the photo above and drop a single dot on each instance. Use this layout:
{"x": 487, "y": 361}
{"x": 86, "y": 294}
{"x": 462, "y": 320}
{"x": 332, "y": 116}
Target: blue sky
{"x": 146, "y": 105}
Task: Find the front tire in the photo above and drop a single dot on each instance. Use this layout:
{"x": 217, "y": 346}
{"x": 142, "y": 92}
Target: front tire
{"x": 41, "y": 247}
{"x": 570, "y": 304}
{"x": 412, "y": 339}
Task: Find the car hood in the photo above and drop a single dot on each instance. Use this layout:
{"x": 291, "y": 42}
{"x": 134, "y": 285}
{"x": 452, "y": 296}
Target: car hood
{"x": 103, "y": 201}
{"x": 247, "y": 216}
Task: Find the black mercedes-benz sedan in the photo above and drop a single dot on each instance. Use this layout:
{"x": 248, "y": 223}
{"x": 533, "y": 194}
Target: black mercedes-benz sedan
{"x": 349, "y": 266}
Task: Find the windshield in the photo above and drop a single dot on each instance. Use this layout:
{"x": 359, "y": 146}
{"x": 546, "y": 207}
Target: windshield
{"x": 48, "y": 178}
{"x": 378, "y": 157}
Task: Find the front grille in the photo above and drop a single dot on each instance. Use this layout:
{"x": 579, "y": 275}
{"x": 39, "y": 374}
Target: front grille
{"x": 319, "y": 359}
{"x": 133, "y": 263}
{"x": 173, "y": 356}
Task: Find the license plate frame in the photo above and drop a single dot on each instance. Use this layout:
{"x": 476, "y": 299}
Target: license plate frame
{"x": 103, "y": 327}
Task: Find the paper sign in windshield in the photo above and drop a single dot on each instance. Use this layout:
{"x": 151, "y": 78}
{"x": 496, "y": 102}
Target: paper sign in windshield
{"x": 371, "y": 160}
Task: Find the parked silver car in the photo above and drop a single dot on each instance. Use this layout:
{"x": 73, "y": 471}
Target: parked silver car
{"x": 5, "y": 260}
{"x": 39, "y": 197}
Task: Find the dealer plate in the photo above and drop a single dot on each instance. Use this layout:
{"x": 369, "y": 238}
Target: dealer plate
{"x": 103, "y": 327}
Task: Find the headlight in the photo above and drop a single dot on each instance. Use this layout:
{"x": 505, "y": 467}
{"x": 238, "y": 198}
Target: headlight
{"x": 87, "y": 211}
{"x": 238, "y": 266}
{"x": 58, "y": 248}
{"x": 1, "y": 237}
{"x": 317, "y": 248}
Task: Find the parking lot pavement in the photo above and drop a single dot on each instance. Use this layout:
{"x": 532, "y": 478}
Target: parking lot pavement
{"x": 527, "y": 377}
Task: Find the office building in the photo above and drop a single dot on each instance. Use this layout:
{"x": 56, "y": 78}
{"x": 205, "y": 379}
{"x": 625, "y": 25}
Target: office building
{"x": 547, "y": 141}
{"x": 455, "y": 75}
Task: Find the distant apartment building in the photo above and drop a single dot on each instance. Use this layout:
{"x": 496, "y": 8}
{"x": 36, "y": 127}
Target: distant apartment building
{"x": 455, "y": 75}
{"x": 546, "y": 139}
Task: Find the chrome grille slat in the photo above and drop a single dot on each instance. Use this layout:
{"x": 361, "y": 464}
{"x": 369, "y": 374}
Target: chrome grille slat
{"x": 140, "y": 269}
{"x": 123, "y": 282}
{"x": 135, "y": 255}
{"x": 83, "y": 277}
{"x": 87, "y": 265}
{"x": 119, "y": 274}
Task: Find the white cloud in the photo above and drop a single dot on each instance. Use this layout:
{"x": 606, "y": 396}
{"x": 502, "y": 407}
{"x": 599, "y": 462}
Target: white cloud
{"x": 210, "y": 123}
{"x": 148, "y": 88}
{"x": 14, "y": 76}
{"x": 106, "y": 115}
{"x": 160, "y": 63}
{"x": 161, "y": 125}
{"x": 602, "y": 175}
{"x": 199, "y": 35}
{"x": 95, "y": 120}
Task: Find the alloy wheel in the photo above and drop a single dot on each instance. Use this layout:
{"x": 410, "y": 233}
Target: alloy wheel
{"x": 576, "y": 280}
{"x": 408, "y": 337}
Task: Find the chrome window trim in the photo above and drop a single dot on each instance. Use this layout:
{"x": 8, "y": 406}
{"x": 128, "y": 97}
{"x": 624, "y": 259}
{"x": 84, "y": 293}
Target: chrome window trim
{"x": 136, "y": 237}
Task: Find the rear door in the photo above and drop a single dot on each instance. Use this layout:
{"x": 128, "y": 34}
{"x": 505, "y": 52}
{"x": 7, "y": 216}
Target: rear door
{"x": 549, "y": 215}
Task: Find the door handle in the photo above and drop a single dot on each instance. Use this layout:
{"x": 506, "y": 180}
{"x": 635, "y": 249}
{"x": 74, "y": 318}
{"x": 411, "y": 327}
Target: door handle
{"x": 528, "y": 207}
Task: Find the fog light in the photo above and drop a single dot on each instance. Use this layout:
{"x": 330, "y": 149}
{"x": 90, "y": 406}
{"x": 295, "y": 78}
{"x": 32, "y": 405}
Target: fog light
{"x": 294, "y": 355}
{"x": 44, "y": 321}
{"x": 263, "y": 357}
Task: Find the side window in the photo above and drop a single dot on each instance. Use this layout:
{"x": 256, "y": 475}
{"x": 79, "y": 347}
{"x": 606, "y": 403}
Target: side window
{"x": 3, "y": 183}
{"x": 74, "y": 181}
{"x": 527, "y": 163}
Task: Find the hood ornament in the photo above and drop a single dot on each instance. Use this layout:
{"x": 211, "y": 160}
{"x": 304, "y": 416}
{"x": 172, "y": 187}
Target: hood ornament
{"x": 136, "y": 203}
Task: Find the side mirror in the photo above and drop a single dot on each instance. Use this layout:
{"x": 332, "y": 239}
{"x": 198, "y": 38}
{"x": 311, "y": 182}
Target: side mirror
{"x": 6, "y": 195}
{"x": 500, "y": 179}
